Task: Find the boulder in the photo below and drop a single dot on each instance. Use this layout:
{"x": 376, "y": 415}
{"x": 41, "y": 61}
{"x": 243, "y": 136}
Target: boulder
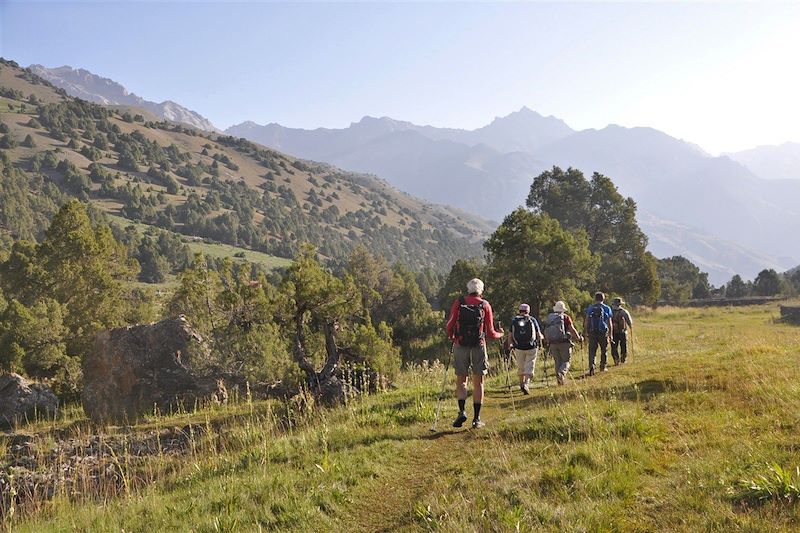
{"x": 21, "y": 400}
{"x": 137, "y": 370}
{"x": 332, "y": 392}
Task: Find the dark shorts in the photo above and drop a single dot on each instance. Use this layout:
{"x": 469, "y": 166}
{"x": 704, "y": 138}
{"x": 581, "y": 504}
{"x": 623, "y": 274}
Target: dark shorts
{"x": 470, "y": 357}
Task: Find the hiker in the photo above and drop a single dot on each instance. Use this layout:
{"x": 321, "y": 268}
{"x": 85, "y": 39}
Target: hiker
{"x": 525, "y": 339}
{"x": 598, "y": 327}
{"x": 469, "y": 325}
{"x": 559, "y": 332}
{"x": 622, "y": 322}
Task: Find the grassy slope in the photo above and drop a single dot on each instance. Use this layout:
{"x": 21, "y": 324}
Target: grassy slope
{"x": 660, "y": 444}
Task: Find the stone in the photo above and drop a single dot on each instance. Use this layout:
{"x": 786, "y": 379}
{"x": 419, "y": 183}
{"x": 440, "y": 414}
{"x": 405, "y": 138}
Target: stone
{"x": 22, "y": 400}
{"x": 139, "y": 370}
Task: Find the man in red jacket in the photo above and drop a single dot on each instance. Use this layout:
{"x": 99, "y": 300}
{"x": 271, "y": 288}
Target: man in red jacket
{"x": 469, "y": 325}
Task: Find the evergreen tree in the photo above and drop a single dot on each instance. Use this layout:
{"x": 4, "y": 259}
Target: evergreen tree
{"x": 736, "y": 287}
{"x": 609, "y": 220}
{"x": 28, "y": 142}
{"x": 681, "y": 280}
{"x": 82, "y": 267}
{"x": 768, "y": 283}
{"x": 455, "y": 283}
{"x": 533, "y": 258}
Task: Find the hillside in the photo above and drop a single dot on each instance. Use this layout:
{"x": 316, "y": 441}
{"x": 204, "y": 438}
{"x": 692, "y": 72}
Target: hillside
{"x": 206, "y": 185}
{"x": 689, "y": 439}
{"x": 670, "y": 179}
{"x": 82, "y": 84}
{"x": 721, "y": 258}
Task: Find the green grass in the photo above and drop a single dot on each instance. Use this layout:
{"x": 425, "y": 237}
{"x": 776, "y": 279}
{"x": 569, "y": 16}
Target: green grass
{"x": 698, "y": 432}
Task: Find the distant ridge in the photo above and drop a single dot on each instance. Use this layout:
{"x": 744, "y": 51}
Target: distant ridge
{"x": 778, "y": 162}
{"x": 83, "y": 84}
{"x": 713, "y": 209}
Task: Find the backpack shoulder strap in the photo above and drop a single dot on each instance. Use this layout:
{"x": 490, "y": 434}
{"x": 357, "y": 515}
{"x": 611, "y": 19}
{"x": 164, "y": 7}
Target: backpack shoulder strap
{"x": 461, "y": 300}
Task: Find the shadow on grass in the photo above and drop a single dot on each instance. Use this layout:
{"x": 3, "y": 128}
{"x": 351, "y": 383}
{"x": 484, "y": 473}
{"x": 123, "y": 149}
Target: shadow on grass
{"x": 640, "y": 391}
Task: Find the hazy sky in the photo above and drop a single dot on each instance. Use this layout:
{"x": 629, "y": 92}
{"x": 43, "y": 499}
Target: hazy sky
{"x": 724, "y": 76}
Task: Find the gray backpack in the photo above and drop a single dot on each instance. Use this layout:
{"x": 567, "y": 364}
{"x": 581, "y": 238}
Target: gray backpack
{"x": 555, "y": 331}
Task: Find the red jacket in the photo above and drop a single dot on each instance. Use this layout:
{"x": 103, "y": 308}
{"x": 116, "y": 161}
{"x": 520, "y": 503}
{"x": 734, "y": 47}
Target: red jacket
{"x": 488, "y": 320}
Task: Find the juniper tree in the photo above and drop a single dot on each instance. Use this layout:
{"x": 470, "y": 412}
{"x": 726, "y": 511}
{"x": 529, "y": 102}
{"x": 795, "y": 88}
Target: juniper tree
{"x": 532, "y": 258}
{"x": 609, "y": 220}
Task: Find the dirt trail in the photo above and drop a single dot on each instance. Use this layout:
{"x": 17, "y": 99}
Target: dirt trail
{"x": 388, "y": 502}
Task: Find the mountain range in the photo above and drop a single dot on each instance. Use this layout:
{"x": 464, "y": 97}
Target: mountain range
{"x": 83, "y": 84}
{"x": 727, "y": 214}
{"x": 713, "y": 210}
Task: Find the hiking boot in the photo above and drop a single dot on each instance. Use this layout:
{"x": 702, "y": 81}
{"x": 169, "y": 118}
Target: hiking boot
{"x": 524, "y": 389}
{"x": 616, "y": 361}
{"x": 603, "y": 369}
{"x": 477, "y": 424}
{"x": 460, "y": 419}
{"x": 560, "y": 379}
{"x": 591, "y": 371}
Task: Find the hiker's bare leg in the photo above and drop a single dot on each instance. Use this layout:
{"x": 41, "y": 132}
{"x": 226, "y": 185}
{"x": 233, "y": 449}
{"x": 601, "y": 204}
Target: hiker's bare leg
{"x": 461, "y": 387}
{"x": 477, "y": 388}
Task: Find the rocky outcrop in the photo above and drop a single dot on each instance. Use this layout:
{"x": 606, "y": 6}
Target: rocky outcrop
{"x": 141, "y": 369}
{"x": 22, "y": 400}
{"x": 790, "y": 314}
{"x": 93, "y": 88}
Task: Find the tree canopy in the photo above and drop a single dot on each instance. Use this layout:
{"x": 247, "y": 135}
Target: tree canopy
{"x": 531, "y": 257}
{"x": 609, "y": 221}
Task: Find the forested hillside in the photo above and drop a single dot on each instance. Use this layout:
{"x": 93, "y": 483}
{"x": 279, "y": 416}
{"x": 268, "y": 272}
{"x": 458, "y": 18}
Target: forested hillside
{"x": 215, "y": 187}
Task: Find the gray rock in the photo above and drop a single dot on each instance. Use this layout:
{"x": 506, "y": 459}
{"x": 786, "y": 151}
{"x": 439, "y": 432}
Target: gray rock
{"x": 22, "y": 400}
{"x": 137, "y": 370}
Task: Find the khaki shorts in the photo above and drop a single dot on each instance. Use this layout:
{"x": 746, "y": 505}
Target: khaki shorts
{"x": 475, "y": 357}
{"x": 526, "y": 360}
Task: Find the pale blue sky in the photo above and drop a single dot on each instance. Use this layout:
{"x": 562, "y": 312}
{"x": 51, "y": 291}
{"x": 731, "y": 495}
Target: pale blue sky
{"x": 722, "y": 75}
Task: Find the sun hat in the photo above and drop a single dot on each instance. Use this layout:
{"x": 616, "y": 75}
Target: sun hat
{"x": 560, "y": 307}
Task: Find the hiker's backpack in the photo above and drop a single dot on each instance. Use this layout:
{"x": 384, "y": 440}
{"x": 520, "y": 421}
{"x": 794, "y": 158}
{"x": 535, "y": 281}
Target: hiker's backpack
{"x": 618, "y": 320}
{"x": 555, "y": 331}
{"x": 523, "y": 331}
{"x": 470, "y": 323}
{"x": 597, "y": 319}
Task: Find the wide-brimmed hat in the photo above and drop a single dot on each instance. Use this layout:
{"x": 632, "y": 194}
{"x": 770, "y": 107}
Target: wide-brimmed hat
{"x": 524, "y": 308}
{"x": 616, "y": 302}
{"x": 560, "y": 307}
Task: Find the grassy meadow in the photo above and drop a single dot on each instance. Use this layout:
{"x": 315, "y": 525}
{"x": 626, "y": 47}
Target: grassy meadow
{"x": 697, "y": 432}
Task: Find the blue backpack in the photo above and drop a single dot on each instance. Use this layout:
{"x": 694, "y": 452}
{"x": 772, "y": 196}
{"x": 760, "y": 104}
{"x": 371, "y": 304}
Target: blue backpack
{"x": 597, "y": 319}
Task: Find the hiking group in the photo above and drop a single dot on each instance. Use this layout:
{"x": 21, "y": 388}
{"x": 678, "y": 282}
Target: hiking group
{"x": 471, "y": 324}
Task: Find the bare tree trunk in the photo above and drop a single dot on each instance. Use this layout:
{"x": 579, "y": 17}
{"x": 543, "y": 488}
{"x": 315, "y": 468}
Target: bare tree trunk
{"x": 299, "y": 352}
{"x": 332, "y": 362}
{"x": 324, "y": 384}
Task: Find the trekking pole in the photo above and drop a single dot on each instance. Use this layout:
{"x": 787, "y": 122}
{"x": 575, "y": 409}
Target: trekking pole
{"x": 508, "y": 385}
{"x": 441, "y": 393}
{"x": 632, "y": 344}
{"x": 546, "y": 379}
{"x": 585, "y": 354}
